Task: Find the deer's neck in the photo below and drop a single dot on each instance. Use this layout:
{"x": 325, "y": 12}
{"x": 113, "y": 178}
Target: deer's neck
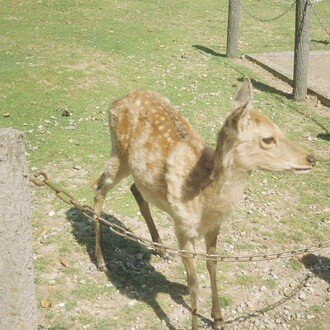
{"x": 229, "y": 177}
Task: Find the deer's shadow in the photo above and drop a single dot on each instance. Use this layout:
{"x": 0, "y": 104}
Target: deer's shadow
{"x": 318, "y": 265}
{"x": 128, "y": 262}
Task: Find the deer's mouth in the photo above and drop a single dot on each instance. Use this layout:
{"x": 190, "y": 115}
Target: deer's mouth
{"x": 301, "y": 170}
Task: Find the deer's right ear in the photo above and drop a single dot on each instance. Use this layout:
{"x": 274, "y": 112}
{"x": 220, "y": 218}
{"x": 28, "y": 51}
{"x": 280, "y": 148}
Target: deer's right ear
{"x": 242, "y": 106}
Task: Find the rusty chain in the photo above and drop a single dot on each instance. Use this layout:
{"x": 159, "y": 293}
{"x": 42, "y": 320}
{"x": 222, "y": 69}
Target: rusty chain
{"x": 89, "y": 213}
{"x": 320, "y": 21}
{"x": 266, "y": 20}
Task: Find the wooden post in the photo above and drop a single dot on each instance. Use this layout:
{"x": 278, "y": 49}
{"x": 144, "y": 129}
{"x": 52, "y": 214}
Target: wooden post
{"x": 233, "y": 28}
{"x": 18, "y": 309}
{"x": 301, "y": 50}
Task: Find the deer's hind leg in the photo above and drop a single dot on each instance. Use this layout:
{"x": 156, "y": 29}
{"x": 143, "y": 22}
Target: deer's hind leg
{"x": 145, "y": 211}
{"x": 115, "y": 171}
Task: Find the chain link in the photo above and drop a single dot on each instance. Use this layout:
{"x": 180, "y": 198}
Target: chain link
{"x": 89, "y": 213}
{"x": 264, "y": 20}
{"x": 310, "y": 2}
{"x": 318, "y": 17}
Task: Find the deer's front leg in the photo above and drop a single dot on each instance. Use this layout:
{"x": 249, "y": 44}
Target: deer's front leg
{"x": 192, "y": 281}
{"x": 211, "y": 242}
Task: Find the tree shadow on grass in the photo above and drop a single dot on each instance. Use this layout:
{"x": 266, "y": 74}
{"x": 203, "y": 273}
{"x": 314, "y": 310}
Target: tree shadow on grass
{"x": 267, "y": 89}
{"x": 324, "y": 136}
{"x": 128, "y": 262}
{"x": 208, "y": 51}
{"x": 324, "y": 42}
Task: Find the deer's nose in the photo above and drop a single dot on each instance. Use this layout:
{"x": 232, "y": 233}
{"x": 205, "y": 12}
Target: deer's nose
{"x": 311, "y": 159}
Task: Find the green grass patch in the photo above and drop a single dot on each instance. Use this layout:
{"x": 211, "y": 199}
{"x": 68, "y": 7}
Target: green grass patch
{"x": 225, "y": 301}
{"x": 295, "y": 265}
{"x": 80, "y": 56}
{"x": 245, "y": 280}
{"x": 316, "y": 309}
{"x": 91, "y": 291}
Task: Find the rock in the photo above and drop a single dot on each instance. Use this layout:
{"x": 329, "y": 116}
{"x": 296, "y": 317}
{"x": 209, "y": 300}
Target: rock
{"x": 45, "y": 303}
{"x": 51, "y": 213}
{"x": 6, "y": 115}
{"x": 66, "y": 113}
{"x": 77, "y": 167}
{"x": 263, "y": 289}
{"x": 64, "y": 262}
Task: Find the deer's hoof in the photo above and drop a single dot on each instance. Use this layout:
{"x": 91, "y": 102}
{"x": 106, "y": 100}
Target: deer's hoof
{"x": 167, "y": 256}
{"x": 102, "y": 267}
{"x": 218, "y": 325}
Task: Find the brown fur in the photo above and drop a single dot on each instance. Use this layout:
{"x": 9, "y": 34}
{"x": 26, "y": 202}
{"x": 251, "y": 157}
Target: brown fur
{"x": 174, "y": 170}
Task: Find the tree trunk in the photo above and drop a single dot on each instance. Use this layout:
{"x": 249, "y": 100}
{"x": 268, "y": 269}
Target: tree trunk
{"x": 17, "y": 293}
{"x": 233, "y": 28}
{"x": 301, "y": 50}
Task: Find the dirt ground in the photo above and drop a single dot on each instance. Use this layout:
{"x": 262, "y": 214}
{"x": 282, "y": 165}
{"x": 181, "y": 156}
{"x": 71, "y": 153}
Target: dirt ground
{"x": 278, "y": 294}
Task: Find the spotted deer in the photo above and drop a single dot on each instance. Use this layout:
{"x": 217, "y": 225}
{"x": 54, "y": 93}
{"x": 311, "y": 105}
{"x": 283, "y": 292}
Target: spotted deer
{"x": 196, "y": 185}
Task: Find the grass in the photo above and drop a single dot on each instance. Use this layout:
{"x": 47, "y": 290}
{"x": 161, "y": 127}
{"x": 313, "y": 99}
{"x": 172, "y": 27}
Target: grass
{"x": 79, "y": 56}
{"x": 225, "y": 301}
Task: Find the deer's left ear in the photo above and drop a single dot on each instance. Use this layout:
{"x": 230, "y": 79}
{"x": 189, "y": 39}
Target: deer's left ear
{"x": 242, "y": 106}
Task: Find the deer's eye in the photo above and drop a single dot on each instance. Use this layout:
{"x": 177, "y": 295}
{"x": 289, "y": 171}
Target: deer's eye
{"x": 268, "y": 140}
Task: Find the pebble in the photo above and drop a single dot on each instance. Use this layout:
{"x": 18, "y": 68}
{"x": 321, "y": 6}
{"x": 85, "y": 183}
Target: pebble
{"x": 51, "y": 213}
{"x": 66, "y": 113}
{"x": 263, "y": 289}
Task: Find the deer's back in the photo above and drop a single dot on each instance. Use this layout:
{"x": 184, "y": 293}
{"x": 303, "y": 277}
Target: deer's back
{"x": 158, "y": 145}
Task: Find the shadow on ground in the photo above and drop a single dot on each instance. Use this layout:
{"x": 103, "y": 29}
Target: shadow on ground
{"x": 256, "y": 84}
{"x": 128, "y": 262}
{"x": 324, "y": 42}
{"x": 269, "y": 307}
{"x": 130, "y": 270}
{"x": 324, "y": 136}
{"x": 208, "y": 51}
{"x": 318, "y": 265}
{"x": 267, "y": 89}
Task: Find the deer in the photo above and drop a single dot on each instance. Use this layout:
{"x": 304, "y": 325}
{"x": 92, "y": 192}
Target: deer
{"x": 196, "y": 185}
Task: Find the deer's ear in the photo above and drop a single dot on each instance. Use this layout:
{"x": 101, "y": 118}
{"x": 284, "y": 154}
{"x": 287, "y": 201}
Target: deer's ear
{"x": 242, "y": 106}
{"x": 244, "y": 95}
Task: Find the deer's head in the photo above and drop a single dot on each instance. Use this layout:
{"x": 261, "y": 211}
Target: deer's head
{"x": 258, "y": 143}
